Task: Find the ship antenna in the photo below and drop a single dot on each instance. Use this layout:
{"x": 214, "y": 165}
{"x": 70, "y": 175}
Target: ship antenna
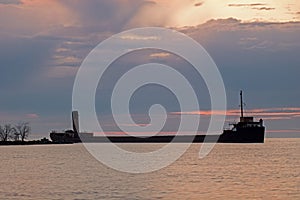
{"x": 242, "y": 108}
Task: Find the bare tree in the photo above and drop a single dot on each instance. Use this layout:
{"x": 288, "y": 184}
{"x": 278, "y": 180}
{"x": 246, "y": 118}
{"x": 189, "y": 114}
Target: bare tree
{"x": 6, "y": 132}
{"x": 22, "y": 130}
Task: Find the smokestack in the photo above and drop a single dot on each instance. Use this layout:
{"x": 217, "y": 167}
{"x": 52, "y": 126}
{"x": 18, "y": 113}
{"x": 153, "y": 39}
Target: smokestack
{"x": 75, "y": 121}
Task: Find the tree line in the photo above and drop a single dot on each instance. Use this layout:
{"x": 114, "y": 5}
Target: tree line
{"x": 18, "y": 132}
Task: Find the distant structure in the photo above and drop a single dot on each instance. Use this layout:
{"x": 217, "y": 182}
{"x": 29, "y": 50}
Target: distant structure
{"x": 75, "y": 121}
{"x": 68, "y": 136}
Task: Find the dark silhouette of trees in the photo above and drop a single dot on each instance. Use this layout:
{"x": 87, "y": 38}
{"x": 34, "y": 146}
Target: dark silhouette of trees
{"x": 6, "y": 132}
{"x": 22, "y": 130}
{"x": 18, "y": 132}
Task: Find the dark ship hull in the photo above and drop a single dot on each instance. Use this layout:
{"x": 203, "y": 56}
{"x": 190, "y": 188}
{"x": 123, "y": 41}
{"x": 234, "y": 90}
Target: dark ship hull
{"x": 245, "y": 135}
{"x": 245, "y": 131}
{"x": 240, "y": 135}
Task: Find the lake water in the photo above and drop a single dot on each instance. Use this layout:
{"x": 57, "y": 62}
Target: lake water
{"x": 231, "y": 171}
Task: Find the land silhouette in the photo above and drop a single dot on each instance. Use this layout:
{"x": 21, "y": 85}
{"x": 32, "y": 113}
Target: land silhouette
{"x": 18, "y": 134}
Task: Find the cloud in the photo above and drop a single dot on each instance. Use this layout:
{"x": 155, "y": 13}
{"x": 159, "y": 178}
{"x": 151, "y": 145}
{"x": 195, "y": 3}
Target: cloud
{"x": 246, "y": 5}
{"x": 160, "y": 55}
{"x": 261, "y": 45}
{"x": 263, "y": 8}
{"x": 248, "y": 40}
{"x": 198, "y": 4}
{"x": 33, "y": 17}
{"x": 170, "y": 14}
{"x": 17, "y": 117}
{"x": 61, "y": 72}
{"x": 8, "y": 2}
{"x": 67, "y": 60}
{"x": 254, "y": 6}
{"x": 234, "y": 24}
{"x": 265, "y": 113}
{"x": 112, "y": 15}
{"x": 32, "y": 116}
{"x": 252, "y": 35}
{"x": 135, "y": 125}
{"x": 139, "y": 37}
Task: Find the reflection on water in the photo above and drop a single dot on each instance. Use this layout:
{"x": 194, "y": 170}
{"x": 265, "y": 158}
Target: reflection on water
{"x": 234, "y": 171}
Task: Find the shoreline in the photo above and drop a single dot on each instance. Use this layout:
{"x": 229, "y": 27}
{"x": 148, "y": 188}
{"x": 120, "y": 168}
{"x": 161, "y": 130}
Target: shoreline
{"x": 30, "y": 142}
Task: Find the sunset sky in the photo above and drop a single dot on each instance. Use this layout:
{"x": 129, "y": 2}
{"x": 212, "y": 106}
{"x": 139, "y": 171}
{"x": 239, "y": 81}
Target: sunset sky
{"x": 255, "y": 44}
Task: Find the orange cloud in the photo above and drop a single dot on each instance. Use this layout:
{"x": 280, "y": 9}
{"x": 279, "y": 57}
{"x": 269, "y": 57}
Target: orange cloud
{"x": 160, "y": 55}
{"x": 246, "y": 5}
{"x": 139, "y": 37}
{"x": 31, "y": 17}
{"x": 32, "y": 116}
{"x": 266, "y": 113}
{"x": 199, "y": 4}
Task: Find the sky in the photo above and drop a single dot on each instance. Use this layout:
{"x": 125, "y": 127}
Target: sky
{"x": 255, "y": 45}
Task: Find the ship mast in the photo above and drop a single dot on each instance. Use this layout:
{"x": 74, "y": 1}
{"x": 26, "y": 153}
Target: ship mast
{"x": 242, "y": 109}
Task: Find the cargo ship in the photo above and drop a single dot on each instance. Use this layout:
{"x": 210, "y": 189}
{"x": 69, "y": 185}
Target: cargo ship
{"x": 245, "y": 131}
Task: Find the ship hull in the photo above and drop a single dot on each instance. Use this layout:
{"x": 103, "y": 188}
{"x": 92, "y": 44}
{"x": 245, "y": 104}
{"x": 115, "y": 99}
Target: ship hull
{"x": 177, "y": 139}
{"x": 243, "y": 135}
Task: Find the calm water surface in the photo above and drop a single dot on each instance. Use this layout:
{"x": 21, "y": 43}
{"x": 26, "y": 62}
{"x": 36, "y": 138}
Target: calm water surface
{"x": 230, "y": 171}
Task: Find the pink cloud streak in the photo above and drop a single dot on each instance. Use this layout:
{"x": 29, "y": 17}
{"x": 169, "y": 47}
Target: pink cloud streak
{"x": 266, "y": 113}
